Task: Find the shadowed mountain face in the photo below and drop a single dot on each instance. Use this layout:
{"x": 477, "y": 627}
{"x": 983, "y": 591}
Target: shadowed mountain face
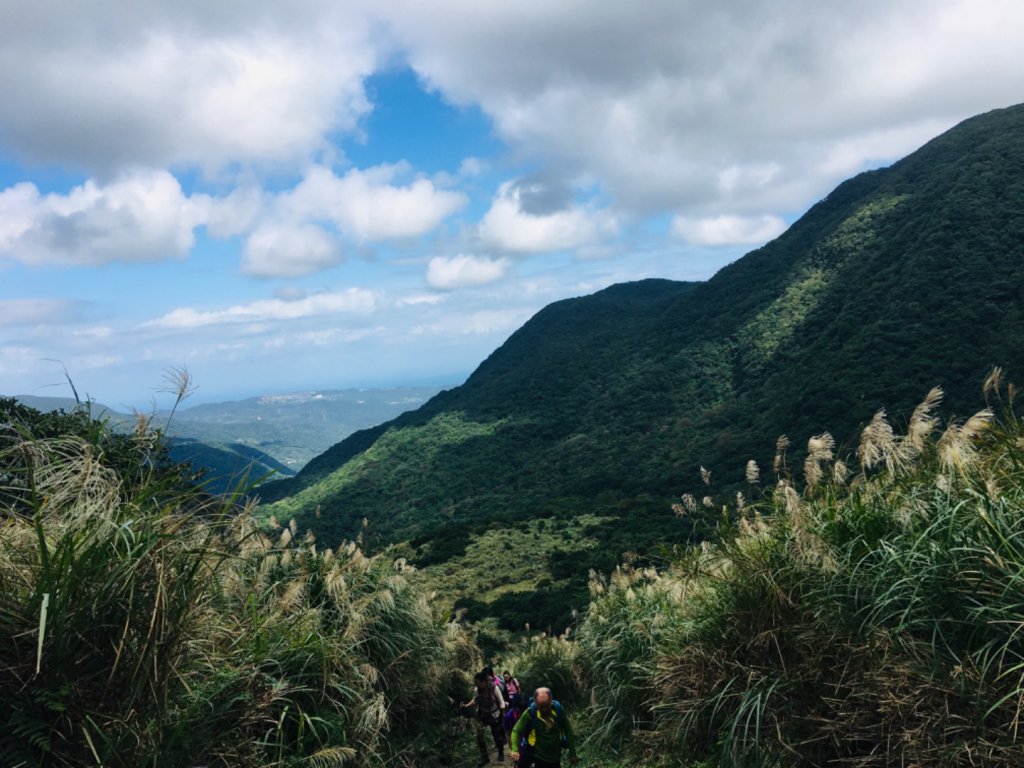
{"x": 901, "y": 279}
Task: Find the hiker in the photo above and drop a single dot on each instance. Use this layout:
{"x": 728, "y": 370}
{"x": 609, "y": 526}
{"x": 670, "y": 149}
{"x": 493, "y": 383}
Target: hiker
{"x": 514, "y": 701}
{"x": 490, "y": 713}
{"x": 541, "y": 734}
{"x": 512, "y": 686}
{"x": 498, "y": 681}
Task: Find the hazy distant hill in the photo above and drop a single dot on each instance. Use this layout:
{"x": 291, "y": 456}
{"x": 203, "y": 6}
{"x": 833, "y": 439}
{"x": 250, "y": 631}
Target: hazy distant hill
{"x": 262, "y": 435}
{"x": 295, "y": 427}
{"x": 607, "y": 405}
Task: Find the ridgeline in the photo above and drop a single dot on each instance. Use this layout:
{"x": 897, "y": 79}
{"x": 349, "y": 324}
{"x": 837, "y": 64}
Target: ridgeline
{"x": 579, "y": 432}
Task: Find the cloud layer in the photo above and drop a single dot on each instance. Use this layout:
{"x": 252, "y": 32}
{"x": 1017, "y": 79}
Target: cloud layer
{"x": 165, "y": 169}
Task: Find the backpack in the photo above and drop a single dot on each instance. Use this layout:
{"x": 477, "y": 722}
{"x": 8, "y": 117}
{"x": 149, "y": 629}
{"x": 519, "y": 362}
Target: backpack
{"x": 500, "y": 682}
{"x": 492, "y": 713}
{"x": 556, "y": 706}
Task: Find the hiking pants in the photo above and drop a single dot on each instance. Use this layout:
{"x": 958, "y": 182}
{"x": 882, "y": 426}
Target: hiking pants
{"x": 497, "y": 732}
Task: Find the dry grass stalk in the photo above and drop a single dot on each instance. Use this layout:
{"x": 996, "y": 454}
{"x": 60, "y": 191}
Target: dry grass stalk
{"x": 957, "y": 451}
{"x": 993, "y": 382}
{"x": 753, "y": 473}
{"x": 819, "y": 449}
{"x": 781, "y": 444}
{"x": 877, "y": 441}
{"x": 922, "y": 424}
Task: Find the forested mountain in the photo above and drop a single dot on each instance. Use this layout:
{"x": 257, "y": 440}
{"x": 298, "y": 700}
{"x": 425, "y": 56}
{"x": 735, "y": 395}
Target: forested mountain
{"x": 602, "y": 409}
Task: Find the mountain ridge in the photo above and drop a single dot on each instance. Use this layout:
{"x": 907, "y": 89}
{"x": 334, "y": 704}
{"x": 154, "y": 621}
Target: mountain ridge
{"x": 900, "y": 279}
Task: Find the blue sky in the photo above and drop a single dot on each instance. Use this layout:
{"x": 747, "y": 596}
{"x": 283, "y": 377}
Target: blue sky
{"x": 356, "y": 194}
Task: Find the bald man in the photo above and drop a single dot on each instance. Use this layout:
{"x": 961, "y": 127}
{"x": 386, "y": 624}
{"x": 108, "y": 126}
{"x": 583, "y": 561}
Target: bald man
{"x": 546, "y": 729}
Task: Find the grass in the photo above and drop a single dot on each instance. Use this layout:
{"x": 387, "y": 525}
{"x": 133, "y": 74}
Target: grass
{"x": 145, "y": 623}
{"x": 862, "y": 610}
{"x": 862, "y": 618}
{"x": 511, "y": 558}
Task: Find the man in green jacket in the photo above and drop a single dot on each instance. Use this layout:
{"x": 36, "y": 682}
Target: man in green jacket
{"x": 546, "y": 729}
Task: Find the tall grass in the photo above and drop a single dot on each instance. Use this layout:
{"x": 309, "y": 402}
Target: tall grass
{"x": 550, "y": 662}
{"x": 143, "y": 623}
{"x": 864, "y": 620}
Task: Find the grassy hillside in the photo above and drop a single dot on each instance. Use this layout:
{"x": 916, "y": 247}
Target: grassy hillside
{"x": 899, "y": 280}
{"x": 144, "y": 622}
{"x": 869, "y": 616}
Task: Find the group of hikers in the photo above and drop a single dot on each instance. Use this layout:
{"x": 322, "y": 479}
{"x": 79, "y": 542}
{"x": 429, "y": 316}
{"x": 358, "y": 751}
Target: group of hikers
{"x": 536, "y": 732}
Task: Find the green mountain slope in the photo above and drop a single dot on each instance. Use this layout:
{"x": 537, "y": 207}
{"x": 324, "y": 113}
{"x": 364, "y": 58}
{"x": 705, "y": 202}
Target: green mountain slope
{"x": 224, "y": 467}
{"x": 901, "y": 279}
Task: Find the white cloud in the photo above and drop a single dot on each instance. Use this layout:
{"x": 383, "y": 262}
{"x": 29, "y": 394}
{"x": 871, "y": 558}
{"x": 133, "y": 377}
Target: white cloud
{"x": 665, "y": 102}
{"x": 471, "y": 166}
{"x": 477, "y": 323}
{"x": 142, "y": 216}
{"x": 289, "y": 251}
{"x": 728, "y": 230}
{"x": 328, "y": 336}
{"x": 463, "y": 271}
{"x": 353, "y": 300}
{"x": 17, "y": 361}
{"x": 508, "y": 227}
{"x": 145, "y": 216}
{"x": 200, "y": 84}
{"x": 371, "y": 204}
{"x": 92, "y": 332}
{"x": 18, "y": 312}
{"x": 429, "y": 299}
{"x": 291, "y": 233}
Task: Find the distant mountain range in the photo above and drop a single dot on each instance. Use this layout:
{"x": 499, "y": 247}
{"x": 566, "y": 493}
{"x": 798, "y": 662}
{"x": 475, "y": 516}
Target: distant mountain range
{"x": 604, "y": 408}
{"x": 260, "y": 436}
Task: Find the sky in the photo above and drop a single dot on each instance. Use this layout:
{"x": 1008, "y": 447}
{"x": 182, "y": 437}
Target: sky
{"x": 336, "y": 193}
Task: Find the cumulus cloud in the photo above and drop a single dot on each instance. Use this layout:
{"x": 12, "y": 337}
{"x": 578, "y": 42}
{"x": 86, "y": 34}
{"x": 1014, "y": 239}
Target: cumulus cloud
{"x": 296, "y": 231}
{"x": 464, "y": 271}
{"x": 728, "y": 230}
{"x": 664, "y": 102}
{"x": 142, "y": 216}
{"x": 289, "y": 251}
{"x": 353, "y": 300}
{"x": 206, "y": 85}
{"x": 510, "y": 227}
{"x": 371, "y": 204}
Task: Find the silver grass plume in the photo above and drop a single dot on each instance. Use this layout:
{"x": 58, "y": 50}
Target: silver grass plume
{"x": 819, "y": 449}
{"x": 993, "y": 382}
{"x": 922, "y": 424}
{"x": 877, "y": 441}
{"x": 781, "y": 444}
{"x": 956, "y": 446}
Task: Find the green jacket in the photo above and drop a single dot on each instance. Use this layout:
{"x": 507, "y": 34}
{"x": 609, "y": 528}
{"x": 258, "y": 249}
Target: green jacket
{"x": 547, "y": 734}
